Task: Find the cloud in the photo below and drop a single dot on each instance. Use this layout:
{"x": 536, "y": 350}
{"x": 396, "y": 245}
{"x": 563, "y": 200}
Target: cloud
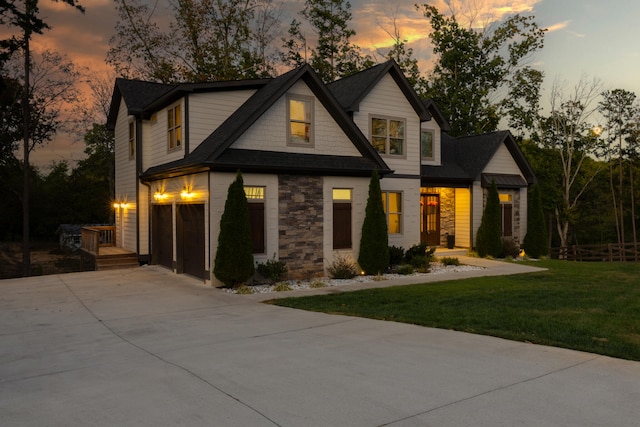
{"x": 558, "y": 26}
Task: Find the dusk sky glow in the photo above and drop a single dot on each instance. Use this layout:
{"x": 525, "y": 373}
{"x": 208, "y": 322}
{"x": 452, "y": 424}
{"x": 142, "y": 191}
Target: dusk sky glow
{"x": 585, "y": 37}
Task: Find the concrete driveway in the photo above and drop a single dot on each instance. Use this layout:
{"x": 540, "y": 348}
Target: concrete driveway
{"x": 144, "y": 347}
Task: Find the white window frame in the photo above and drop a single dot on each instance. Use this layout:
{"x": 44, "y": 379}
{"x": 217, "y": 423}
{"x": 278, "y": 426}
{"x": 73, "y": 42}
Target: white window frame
{"x": 400, "y": 214}
{"x": 388, "y": 137}
{"x": 432, "y": 133}
{"x": 132, "y": 140}
{"x": 308, "y": 101}
{"x": 174, "y": 129}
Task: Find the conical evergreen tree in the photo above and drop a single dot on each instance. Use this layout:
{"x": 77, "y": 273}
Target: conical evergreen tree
{"x": 374, "y": 242}
{"x": 489, "y": 238}
{"x": 234, "y": 258}
{"x": 536, "y": 243}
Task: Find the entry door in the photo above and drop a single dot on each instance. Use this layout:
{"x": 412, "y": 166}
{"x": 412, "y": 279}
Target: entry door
{"x": 190, "y": 239}
{"x": 162, "y": 236}
{"x": 430, "y": 227}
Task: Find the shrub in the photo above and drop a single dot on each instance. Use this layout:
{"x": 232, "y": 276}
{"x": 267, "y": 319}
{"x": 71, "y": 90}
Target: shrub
{"x": 536, "y": 242}
{"x": 244, "y": 290}
{"x": 234, "y": 257}
{"x": 374, "y": 243}
{"x": 282, "y": 287}
{"x": 449, "y": 261}
{"x": 343, "y": 268}
{"x": 510, "y": 248}
{"x": 317, "y": 284}
{"x": 396, "y": 255}
{"x": 489, "y": 237}
{"x": 419, "y": 256}
{"x": 272, "y": 270}
{"x": 405, "y": 269}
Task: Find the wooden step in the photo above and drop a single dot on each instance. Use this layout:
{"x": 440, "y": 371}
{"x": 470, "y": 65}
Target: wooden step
{"x": 114, "y": 262}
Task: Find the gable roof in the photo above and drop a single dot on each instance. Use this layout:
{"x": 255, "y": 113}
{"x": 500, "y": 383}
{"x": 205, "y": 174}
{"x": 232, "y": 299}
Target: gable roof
{"x": 436, "y": 114}
{"x": 464, "y": 159}
{"x": 144, "y": 98}
{"x": 214, "y": 152}
{"x": 137, "y": 95}
{"x": 351, "y": 90}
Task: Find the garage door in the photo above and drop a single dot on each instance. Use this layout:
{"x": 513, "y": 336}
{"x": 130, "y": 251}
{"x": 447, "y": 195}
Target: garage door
{"x": 190, "y": 239}
{"x": 162, "y": 236}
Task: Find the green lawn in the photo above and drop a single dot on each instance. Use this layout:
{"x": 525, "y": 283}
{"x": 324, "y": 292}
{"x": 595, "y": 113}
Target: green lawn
{"x": 593, "y": 307}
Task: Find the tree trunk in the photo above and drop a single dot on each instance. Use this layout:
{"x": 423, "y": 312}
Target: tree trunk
{"x": 615, "y": 202}
{"x": 633, "y": 210}
{"x": 26, "y": 112}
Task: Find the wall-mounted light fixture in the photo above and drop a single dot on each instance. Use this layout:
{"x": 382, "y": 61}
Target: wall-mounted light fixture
{"x": 187, "y": 194}
{"x": 121, "y": 205}
{"x": 160, "y": 196}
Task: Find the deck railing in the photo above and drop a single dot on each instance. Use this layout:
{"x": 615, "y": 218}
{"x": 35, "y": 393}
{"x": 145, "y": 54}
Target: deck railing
{"x": 609, "y": 252}
{"x": 95, "y": 237}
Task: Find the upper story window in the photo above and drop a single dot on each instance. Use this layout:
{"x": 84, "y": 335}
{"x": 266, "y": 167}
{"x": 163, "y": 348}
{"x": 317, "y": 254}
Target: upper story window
{"x": 174, "y": 127}
{"x": 426, "y": 144}
{"x": 132, "y": 140}
{"x": 388, "y": 135}
{"x": 300, "y": 114}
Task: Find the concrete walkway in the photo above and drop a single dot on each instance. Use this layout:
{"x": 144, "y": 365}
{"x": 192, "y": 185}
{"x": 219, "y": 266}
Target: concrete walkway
{"x": 146, "y": 347}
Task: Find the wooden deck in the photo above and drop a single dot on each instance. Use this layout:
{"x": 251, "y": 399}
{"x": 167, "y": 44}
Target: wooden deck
{"x": 99, "y": 248}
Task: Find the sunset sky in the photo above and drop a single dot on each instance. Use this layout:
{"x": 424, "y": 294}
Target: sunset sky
{"x": 586, "y": 37}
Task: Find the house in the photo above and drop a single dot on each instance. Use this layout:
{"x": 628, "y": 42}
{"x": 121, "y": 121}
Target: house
{"x": 306, "y": 151}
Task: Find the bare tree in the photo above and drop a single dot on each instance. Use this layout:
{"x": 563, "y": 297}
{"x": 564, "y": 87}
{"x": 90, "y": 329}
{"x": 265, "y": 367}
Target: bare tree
{"x": 569, "y": 133}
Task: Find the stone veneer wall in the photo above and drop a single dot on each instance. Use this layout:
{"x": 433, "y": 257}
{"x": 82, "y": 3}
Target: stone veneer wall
{"x": 300, "y": 225}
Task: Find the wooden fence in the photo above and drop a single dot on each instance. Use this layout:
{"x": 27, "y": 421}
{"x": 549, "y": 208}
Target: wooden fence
{"x": 95, "y": 237}
{"x": 611, "y": 252}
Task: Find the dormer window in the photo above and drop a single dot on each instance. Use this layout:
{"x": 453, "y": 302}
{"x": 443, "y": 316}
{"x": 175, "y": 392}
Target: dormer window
{"x": 300, "y": 113}
{"x": 426, "y": 144}
{"x": 388, "y": 135}
{"x": 174, "y": 128}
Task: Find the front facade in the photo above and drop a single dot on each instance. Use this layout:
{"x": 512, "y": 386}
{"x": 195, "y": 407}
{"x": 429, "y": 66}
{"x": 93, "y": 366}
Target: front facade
{"x": 306, "y": 152}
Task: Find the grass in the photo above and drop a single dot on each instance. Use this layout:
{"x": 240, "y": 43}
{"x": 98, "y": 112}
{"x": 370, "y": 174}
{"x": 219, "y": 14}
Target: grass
{"x": 593, "y": 307}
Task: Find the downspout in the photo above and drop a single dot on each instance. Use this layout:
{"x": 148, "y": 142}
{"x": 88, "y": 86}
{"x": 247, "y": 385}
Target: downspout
{"x": 138, "y": 154}
{"x": 148, "y": 260}
{"x": 185, "y": 124}
{"x": 471, "y": 216}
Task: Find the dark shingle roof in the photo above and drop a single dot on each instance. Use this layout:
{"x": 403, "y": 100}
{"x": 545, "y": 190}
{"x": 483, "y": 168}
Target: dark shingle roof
{"x": 351, "y": 90}
{"x": 143, "y": 98}
{"x": 137, "y": 95}
{"x": 215, "y": 152}
{"x": 435, "y": 112}
{"x": 463, "y": 159}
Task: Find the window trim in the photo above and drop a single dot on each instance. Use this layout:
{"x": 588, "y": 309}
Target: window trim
{"x": 342, "y": 202}
{"x": 132, "y": 140}
{"x": 387, "y": 147}
{"x": 433, "y": 135}
{"x": 385, "y": 205}
{"x": 506, "y": 199}
{"x": 255, "y": 201}
{"x": 310, "y": 101}
{"x": 176, "y": 128}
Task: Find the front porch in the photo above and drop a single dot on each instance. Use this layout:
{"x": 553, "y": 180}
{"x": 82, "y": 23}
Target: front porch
{"x": 445, "y": 217}
{"x": 99, "y": 248}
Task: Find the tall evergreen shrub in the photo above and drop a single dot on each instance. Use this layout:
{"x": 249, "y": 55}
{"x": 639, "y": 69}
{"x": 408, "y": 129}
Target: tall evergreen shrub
{"x": 489, "y": 238}
{"x": 234, "y": 258}
{"x": 536, "y": 242}
{"x": 374, "y": 242}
